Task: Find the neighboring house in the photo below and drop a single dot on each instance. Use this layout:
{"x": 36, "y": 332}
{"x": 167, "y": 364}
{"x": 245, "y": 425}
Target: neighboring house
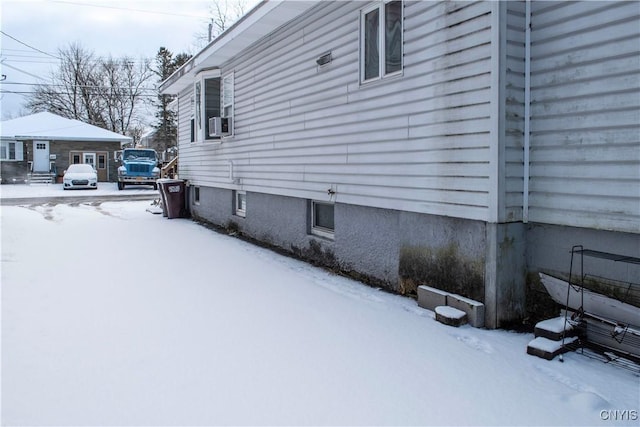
{"x": 442, "y": 143}
{"x": 47, "y": 143}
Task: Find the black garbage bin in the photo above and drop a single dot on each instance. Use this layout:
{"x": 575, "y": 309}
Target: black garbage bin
{"x": 173, "y": 191}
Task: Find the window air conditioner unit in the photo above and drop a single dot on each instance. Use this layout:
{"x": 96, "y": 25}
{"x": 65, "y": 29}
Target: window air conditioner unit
{"x": 219, "y": 126}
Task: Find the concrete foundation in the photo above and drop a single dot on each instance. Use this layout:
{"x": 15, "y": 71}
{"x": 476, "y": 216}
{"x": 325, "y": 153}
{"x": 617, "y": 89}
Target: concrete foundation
{"x": 400, "y": 251}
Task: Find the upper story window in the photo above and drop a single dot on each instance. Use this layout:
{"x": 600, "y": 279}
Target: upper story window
{"x": 381, "y": 40}
{"x": 212, "y": 103}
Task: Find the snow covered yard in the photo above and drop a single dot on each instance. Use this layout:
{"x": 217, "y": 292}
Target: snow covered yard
{"x": 114, "y": 316}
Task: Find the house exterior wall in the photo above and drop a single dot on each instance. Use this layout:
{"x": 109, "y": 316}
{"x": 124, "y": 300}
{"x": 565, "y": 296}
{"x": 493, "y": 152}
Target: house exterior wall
{"x": 585, "y": 115}
{"x": 13, "y": 171}
{"x": 429, "y": 171}
{"x": 64, "y": 149}
{"x": 394, "y": 249}
{"x": 418, "y": 142}
{"x": 585, "y": 138}
{"x": 514, "y": 92}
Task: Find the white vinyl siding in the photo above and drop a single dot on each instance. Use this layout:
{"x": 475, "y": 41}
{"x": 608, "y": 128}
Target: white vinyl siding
{"x": 585, "y": 129}
{"x": 418, "y": 143}
{"x": 514, "y": 62}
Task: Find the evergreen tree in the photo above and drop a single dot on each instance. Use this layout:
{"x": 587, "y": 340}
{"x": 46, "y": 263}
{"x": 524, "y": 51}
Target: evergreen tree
{"x": 166, "y": 131}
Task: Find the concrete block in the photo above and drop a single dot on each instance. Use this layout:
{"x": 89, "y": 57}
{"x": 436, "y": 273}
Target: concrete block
{"x": 430, "y": 298}
{"x": 473, "y": 309}
{"x": 548, "y": 349}
{"x": 553, "y": 329}
{"x": 450, "y": 316}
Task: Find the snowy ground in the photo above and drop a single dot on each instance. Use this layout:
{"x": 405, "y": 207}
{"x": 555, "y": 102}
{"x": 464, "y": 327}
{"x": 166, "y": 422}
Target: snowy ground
{"x": 114, "y": 316}
{"x": 23, "y": 191}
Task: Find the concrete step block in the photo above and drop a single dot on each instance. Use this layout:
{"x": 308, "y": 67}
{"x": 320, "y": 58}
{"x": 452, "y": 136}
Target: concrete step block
{"x": 548, "y": 349}
{"x": 473, "y": 309}
{"x": 430, "y": 298}
{"x": 450, "y": 316}
{"x": 552, "y": 329}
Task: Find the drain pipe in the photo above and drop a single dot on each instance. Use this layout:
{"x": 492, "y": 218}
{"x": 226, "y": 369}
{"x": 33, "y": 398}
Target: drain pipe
{"x": 527, "y": 112}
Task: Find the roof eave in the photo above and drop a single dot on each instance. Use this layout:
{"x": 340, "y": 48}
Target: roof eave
{"x": 263, "y": 19}
{"x": 68, "y": 138}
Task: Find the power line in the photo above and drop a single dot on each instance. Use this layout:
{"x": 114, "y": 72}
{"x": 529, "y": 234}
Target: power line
{"x": 22, "y": 71}
{"x": 129, "y": 9}
{"x": 81, "y": 86}
{"x": 29, "y": 46}
{"x": 22, "y": 92}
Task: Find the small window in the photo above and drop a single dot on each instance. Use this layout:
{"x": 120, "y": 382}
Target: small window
{"x": 322, "y": 219}
{"x": 240, "y": 203}
{"x": 76, "y": 159}
{"x": 3, "y": 152}
{"x": 102, "y": 161}
{"x": 381, "y": 40}
{"x": 196, "y": 195}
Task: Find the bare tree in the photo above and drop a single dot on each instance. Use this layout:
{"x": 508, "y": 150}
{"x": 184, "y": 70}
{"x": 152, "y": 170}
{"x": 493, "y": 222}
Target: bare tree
{"x": 108, "y": 93}
{"x": 223, "y": 14}
{"x": 122, "y": 91}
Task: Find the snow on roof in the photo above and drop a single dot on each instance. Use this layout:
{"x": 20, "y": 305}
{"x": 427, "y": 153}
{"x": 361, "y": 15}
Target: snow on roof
{"x": 48, "y": 126}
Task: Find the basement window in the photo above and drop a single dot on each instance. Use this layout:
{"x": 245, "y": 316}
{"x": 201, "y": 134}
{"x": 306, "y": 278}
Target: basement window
{"x": 322, "y": 219}
{"x": 196, "y": 195}
{"x": 240, "y": 203}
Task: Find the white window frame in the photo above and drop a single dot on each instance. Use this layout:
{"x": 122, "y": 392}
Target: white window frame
{"x": 237, "y": 206}
{"x": 227, "y": 98}
{"x": 193, "y": 132}
{"x": 319, "y": 230}
{"x": 198, "y": 110}
{"x": 380, "y": 6}
{"x": 197, "y": 113}
{"x": 5, "y": 151}
{"x": 196, "y": 195}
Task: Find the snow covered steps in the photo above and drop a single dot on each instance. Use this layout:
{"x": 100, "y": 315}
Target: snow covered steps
{"x": 548, "y": 338}
{"x": 432, "y": 298}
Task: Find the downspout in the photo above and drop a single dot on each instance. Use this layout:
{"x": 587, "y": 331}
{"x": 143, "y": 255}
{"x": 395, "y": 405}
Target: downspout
{"x": 527, "y": 112}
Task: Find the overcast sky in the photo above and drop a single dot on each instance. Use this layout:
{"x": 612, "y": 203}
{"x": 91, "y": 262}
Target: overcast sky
{"x": 33, "y": 31}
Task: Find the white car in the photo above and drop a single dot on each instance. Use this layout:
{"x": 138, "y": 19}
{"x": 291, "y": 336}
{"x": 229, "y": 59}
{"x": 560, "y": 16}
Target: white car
{"x": 80, "y": 176}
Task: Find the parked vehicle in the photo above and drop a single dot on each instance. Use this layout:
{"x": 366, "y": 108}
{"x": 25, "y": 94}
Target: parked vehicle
{"x": 139, "y": 166}
{"x": 80, "y": 176}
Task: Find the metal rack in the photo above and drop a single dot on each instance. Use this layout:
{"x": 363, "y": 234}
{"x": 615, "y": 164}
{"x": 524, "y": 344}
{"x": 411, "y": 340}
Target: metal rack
{"x": 617, "y": 330}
